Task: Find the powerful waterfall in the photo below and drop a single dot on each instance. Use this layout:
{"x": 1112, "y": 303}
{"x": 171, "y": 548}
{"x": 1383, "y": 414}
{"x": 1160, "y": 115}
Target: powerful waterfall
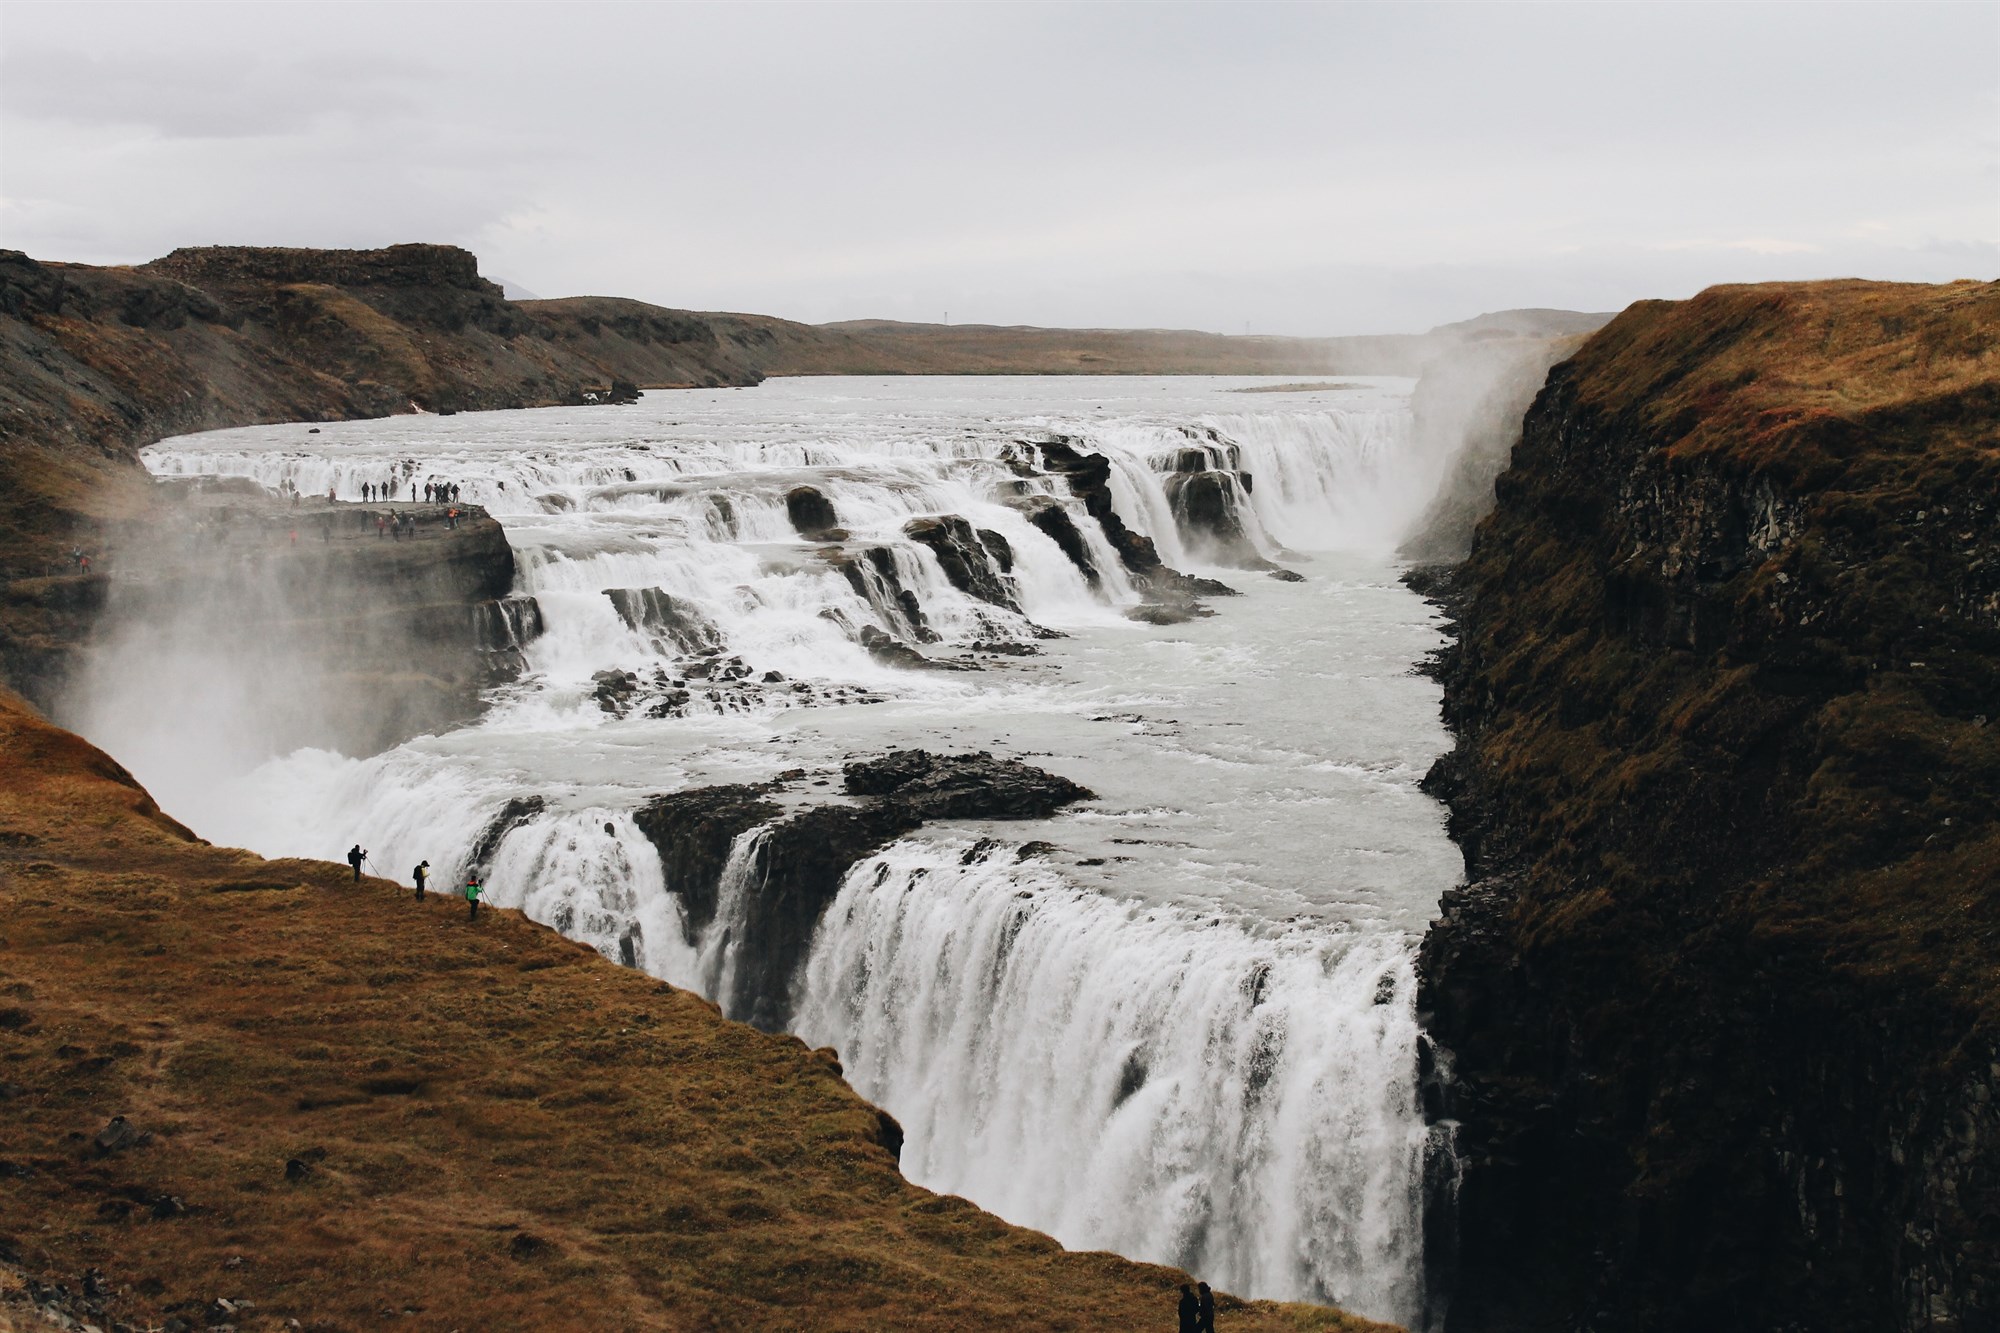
{"x": 1182, "y": 1027}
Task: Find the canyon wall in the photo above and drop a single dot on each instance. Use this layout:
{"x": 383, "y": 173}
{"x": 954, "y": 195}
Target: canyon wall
{"x": 1715, "y": 1014}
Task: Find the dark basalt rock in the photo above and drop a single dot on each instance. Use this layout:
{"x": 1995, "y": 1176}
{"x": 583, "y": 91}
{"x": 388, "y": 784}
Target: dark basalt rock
{"x": 803, "y": 860}
{"x": 518, "y": 811}
{"x": 803, "y": 863}
{"x": 1207, "y": 509}
{"x": 871, "y": 572}
{"x": 1167, "y": 613}
{"x": 1714, "y": 1015}
{"x": 962, "y": 786}
{"x": 1052, "y": 518}
{"x": 1286, "y": 575}
{"x": 893, "y": 652}
{"x": 692, "y": 831}
{"x": 967, "y": 560}
{"x": 813, "y": 515}
{"x": 671, "y": 621}
{"x": 1089, "y": 478}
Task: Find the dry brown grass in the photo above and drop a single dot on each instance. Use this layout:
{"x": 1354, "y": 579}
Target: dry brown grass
{"x": 456, "y": 1088}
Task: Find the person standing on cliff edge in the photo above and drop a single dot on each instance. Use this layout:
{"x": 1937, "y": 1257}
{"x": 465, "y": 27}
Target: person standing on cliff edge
{"x": 472, "y": 892}
{"x": 422, "y": 875}
{"x": 355, "y": 856}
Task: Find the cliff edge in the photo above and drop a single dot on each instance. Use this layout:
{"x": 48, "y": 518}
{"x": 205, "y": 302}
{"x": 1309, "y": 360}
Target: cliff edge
{"x": 1717, "y": 1012}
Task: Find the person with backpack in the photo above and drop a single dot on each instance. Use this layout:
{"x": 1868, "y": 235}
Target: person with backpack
{"x": 473, "y": 889}
{"x": 422, "y": 875}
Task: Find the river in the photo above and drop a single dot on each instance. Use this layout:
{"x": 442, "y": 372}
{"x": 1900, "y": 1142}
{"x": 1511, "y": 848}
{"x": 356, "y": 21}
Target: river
{"x": 1187, "y": 1033}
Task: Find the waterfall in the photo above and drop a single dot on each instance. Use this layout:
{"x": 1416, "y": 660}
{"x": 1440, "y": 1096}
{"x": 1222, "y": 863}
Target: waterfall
{"x": 1226, "y": 1084}
{"x": 719, "y": 945}
{"x": 1173, "y": 1088}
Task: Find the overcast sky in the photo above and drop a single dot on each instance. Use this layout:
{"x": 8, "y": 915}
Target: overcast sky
{"x": 1289, "y": 169}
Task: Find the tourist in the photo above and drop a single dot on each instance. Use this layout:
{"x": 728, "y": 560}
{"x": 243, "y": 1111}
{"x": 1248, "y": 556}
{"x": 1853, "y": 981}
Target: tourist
{"x": 355, "y": 856}
{"x": 1207, "y": 1324}
{"x": 1190, "y": 1311}
{"x": 368, "y": 491}
{"x": 472, "y": 892}
{"x": 381, "y": 526}
{"x": 422, "y": 875}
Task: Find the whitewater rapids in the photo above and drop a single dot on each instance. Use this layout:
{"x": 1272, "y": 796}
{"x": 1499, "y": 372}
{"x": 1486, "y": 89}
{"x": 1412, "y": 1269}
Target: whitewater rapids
{"x": 1185, "y": 1032}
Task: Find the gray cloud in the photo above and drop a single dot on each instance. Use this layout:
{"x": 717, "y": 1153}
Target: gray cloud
{"x": 1299, "y": 168}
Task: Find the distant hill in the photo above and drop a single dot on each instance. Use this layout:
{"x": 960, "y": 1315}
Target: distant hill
{"x": 886, "y": 347}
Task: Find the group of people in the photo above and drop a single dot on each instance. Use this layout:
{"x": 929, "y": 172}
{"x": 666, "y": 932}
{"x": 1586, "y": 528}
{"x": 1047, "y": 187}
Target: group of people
{"x": 396, "y": 525}
{"x": 435, "y": 492}
{"x": 474, "y": 889}
{"x": 1197, "y": 1312}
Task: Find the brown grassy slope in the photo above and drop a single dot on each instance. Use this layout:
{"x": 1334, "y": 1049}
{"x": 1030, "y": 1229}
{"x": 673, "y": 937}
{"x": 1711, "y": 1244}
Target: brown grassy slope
{"x": 1725, "y": 993}
{"x": 455, "y": 1088}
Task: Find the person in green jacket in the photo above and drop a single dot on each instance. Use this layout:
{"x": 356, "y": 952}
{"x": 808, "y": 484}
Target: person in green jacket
{"x": 472, "y": 892}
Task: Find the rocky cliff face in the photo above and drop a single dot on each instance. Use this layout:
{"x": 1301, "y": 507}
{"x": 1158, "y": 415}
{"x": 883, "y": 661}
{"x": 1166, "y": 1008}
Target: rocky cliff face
{"x": 96, "y": 362}
{"x": 1717, "y": 1011}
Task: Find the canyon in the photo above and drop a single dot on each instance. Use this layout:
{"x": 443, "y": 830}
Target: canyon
{"x": 1706, "y": 1032}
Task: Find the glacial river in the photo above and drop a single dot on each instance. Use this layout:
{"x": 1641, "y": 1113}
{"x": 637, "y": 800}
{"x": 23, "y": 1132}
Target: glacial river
{"x": 1187, "y": 1034}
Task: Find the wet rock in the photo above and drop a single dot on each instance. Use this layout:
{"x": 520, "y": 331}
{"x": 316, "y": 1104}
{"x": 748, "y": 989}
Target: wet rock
{"x": 1089, "y": 477}
{"x": 999, "y": 548}
{"x": 963, "y": 786}
{"x": 872, "y": 574}
{"x": 813, "y": 515}
{"x": 1209, "y": 511}
{"x": 616, "y": 690}
{"x": 1052, "y": 519}
{"x": 1167, "y": 613}
{"x": 692, "y": 831}
{"x": 516, "y": 813}
{"x": 672, "y": 622}
{"x": 895, "y": 653}
{"x": 1286, "y": 575}
{"x": 804, "y": 861}
{"x": 966, "y": 560}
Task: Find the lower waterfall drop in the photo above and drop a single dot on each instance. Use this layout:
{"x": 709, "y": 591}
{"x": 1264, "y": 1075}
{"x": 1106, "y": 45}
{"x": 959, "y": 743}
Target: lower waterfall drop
{"x": 1172, "y": 1087}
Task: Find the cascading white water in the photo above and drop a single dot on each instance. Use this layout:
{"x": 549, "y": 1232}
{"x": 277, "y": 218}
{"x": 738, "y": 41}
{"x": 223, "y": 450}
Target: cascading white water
{"x": 1186, "y": 1034}
{"x": 1134, "y": 1077}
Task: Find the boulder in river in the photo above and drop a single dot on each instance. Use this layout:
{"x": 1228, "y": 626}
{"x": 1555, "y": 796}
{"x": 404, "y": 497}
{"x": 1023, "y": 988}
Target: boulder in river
{"x": 962, "y": 786}
{"x": 813, "y": 515}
